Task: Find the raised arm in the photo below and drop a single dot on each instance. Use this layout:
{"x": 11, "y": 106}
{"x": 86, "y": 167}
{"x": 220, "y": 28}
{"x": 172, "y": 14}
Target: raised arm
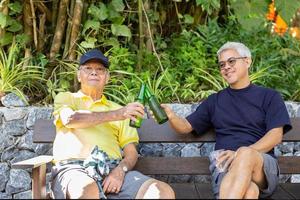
{"x": 84, "y": 119}
{"x": 179, "y": 124}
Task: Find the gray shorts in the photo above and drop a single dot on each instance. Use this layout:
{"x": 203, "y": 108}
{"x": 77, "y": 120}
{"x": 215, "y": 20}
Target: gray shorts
{"x": 62, "y": 175}
{"x": 271, "y": 170}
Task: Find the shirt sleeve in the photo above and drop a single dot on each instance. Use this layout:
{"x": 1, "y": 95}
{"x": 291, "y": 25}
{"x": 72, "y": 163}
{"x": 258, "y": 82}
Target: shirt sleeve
{"x": 200, "y": 120}
{"x": 127, "y": 134}
{"x": 277, "y": 115}
{"x": 62, "y": 106}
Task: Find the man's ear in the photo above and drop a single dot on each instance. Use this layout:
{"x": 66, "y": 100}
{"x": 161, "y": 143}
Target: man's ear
{"x": 78, "y": 76}
{"x": 248, "y": 61}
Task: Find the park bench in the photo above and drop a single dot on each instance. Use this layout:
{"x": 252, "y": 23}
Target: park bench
{"x": 151, "y": 132}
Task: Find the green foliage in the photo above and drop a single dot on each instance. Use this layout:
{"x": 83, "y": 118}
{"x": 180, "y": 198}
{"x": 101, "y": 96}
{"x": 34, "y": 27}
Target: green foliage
{"x": 287, "y": 9}
{"x": 10, "y": 23}
{"x": 105, "y": 24}
{"x": 15, "y": 76}
{"x": 209, "y": 6}
{"x": 251, "y": 14}
{"x": 186, "y": 39}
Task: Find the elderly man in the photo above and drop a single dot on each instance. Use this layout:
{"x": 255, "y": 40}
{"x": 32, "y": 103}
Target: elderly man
{"x": 249, "y": 120}
{"x": 95, "y": 149}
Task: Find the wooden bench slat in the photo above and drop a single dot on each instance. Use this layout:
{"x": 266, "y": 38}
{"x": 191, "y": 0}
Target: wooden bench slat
{"x": 185, "y": 190}
{"x": 280, "y": 193}
{"x": 199, "y": 165}
{"x": 293, "y": 189}
{"x": 173, "y": 165}
{"x": 289, "y": 164}
{"x": 151, "y": 132}
{"x": 44, "y": 131}
{"x": 204, "y": 191}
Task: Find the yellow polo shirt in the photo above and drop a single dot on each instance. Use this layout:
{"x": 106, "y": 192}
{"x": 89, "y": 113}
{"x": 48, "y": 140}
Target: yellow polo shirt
{"x": 72, "y": 143}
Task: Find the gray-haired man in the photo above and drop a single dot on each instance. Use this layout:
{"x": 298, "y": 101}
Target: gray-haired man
{"x": 249, "y": 121}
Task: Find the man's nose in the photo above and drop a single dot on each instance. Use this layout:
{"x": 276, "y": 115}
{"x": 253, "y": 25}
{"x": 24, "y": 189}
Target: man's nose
{"x": 227, "y": 66}
{"x": 94, "y": 72}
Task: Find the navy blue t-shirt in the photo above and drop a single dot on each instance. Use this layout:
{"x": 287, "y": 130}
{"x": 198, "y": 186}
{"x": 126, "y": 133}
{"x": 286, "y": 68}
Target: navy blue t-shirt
{"x": 241, "y": 117}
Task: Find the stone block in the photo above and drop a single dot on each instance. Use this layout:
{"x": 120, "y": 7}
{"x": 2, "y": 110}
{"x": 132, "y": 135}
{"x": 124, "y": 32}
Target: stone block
{"x": 172, "y": 150}
{"x": 4, "y": 195}
{"x": 13, "y": 100}
{"x": 286, "y": 147}
{"x": 180, "y": 179}
{"x": 36, "y": 113}
{"x": 19, "y": 181}
{"x": 23, "y": 195}
{"x": 295, "y": 178}
{"x": 4, "y": 175}
{"x": 14, "y": 113}
{"x": 23, "y": 155}
{"x": 190, "y": 150}
{"x": 15, "y": 127}
{"x": 152, "y": 149}
{"x": 6, "y": 140}
{"x": 207, "y": 148}
{"x": 202, "y": 178}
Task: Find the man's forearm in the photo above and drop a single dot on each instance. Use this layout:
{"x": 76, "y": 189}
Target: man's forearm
{"x": 130, "y": 157}
{"x": 84, "y": 120}
{"x": 180, "y": 125}
{"x": 269, "y": 141}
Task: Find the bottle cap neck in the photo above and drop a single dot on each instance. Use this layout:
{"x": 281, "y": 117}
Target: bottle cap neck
{"x": 147, "y": 93}
{"x": 141, "y": 93}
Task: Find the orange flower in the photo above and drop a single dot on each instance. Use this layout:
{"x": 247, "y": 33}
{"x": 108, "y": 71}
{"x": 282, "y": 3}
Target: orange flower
{"x": 271, "y": 15}
{"x": 280, "y": 26}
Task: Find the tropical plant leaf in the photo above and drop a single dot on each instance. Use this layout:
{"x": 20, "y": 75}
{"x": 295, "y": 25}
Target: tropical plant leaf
{"x": 16, "y": 7}
{"x": 120, "y": 30}
{"x": 251, "y": 14}
{"x": 118, "y": 5}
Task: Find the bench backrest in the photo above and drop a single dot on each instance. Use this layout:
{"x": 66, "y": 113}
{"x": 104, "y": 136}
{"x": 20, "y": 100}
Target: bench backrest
{"x": 151, "y": 132}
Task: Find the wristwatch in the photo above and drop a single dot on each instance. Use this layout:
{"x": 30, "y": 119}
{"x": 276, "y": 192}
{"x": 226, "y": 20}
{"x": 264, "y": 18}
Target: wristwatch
{"x": 124, "y": 168}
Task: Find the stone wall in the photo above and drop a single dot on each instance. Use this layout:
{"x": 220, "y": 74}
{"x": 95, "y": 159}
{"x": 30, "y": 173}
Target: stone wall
{"x": 16, "y": 144}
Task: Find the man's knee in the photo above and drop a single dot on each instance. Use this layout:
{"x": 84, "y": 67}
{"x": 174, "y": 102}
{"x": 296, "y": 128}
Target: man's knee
{"x": 252, "y": 192}
{"x": 247, "y": 155}
{"x": 155, "y": 189}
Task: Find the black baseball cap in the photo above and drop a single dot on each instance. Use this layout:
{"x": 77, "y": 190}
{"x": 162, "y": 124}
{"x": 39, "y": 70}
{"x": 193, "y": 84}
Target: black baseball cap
{"x": 94, "y": 54}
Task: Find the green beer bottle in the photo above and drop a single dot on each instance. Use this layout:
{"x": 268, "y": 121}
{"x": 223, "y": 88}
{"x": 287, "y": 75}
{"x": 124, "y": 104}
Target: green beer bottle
{"x": 158, "y": 112}
{"x": 140, "y": 98}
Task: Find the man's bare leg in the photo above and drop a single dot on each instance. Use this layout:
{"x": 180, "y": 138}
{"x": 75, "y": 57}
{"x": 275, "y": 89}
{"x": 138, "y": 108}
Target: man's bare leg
{"x": 82, "y": 187}
{"x": 154, "y": 189}
{"x": 247, "y": 167}
{"x": 252, "y": 191}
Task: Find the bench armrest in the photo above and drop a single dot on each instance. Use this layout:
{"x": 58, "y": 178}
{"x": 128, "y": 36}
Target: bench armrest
{"x": 38, "y": 165}
{"x": 33, "y": 162}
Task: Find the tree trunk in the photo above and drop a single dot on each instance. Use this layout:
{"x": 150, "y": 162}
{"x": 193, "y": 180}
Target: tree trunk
{"x": 4, "y": 10}
{"x": 34, "y": 24}
{"x": 69, "y": 28}
{"x": 41, "y": 39}
{"x": 27, "y": 21}
{"x": 54, "y": 13}
{"x": 27, "y": 56}
{"x": 141, "y": 35}
{"x": 41, "y": 6}
{"x": 60, "y": 28}
{"x": 145, "y": 31}
{"x": 75, "y": 28}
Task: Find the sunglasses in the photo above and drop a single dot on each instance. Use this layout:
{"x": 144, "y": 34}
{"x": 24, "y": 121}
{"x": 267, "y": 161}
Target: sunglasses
{"x": 231, "y": 62}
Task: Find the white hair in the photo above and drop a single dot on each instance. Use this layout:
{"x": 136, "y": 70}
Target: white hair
{"x": 237, "y": 46}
